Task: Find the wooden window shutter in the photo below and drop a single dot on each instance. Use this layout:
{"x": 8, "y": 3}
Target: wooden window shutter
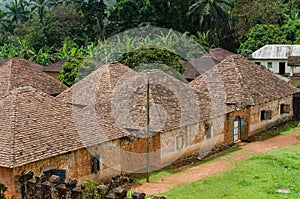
{"x": 95, "y": 167}
{"x": 286, "y": 108}
{"x": 268, "y": 115}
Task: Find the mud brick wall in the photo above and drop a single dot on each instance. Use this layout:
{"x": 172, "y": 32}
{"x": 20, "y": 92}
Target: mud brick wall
{"x": 257, "y": 125}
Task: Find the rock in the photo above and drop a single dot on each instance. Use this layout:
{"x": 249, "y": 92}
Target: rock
{"x": 71, "y": 183}
{"x": 77, "y": 193}
{"x": 280, "y": 190}
{"x": 27, "y": 175}
{"x": 41, "y": 177}
{"x": 120, "y": 192}
{"x": 54, "y": 179}
{"x": 137, "y": 195}
{"x": 110, "y": 196}
{"x": 158, "y": 197}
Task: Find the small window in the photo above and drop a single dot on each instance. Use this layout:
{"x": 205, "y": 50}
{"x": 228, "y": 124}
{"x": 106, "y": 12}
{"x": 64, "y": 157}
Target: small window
{"x": 268, "y": 115}
{"x": 270, "y": 65}
{"x": 179, "y": 142}
{"x": 95, "y": 164}
{"x": 262, "y": 115}
{"x": 208, "y": 131}
{"x": 265, "y": 115}
{"x": 285, "y": 108}
{"x": 258, "y": 63}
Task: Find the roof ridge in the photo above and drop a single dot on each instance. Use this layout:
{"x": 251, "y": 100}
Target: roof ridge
{"x": 13, "y": 118}
{"x": 243, "y": 84}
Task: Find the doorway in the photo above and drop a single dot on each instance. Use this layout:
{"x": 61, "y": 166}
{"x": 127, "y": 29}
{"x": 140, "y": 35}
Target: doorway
{"x": 281, "y": 68}
{"x": 237, "y": 129}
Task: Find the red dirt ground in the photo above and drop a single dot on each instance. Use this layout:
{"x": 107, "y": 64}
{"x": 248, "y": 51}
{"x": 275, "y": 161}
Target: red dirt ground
{"x": 194, "y": 173}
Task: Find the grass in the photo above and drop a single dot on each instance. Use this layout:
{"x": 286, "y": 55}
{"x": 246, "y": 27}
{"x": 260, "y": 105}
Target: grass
{"x": 256, "y": 177}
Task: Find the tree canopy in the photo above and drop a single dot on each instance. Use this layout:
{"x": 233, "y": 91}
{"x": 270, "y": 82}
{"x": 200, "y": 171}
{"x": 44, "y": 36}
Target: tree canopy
{"x": 46, "y": 31}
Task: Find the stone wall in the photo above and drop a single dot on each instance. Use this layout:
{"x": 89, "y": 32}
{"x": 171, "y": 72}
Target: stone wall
{"x": 41, "y": 187}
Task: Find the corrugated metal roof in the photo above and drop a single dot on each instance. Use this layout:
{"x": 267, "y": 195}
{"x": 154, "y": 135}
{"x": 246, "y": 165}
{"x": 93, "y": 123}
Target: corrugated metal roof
{"x": 275, "y": 51}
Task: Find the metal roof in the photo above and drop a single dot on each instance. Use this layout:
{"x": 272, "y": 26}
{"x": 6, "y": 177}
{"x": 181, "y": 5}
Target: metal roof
{"x": 275, "y": 51}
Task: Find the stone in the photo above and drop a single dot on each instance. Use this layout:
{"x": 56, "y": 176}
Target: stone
{"x": 110, "y": 196}
{"x": 41, "y": 177}
{"x": 77, "y": 193}
{"x": 71, "y": 183}
{"x": 158, "y": 197}
{"x": 54, "y": 179}
{"x": 120, "y": 192}
{"x": 27, "y": 175}
{"x": 280, "y": 190}
{"x": 138, "y": 195}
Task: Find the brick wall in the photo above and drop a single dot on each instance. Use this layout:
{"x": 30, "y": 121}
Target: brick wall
{"x": 229, "y": 125}
{"x": 257, "y": 125}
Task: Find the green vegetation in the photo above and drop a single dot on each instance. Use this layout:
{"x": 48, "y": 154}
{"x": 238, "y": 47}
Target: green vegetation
{"x": 3, "y": 188}
{"x": 90, "y": 187}
{"x": 46, "y": 31}
{"x": 256, "y": 177}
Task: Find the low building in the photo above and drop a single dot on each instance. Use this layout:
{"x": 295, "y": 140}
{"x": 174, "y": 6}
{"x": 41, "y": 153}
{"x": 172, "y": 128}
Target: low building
{"x": 274, "y": 58}
{"x": 54, "y": 69}
{"x": 117, "y": 120}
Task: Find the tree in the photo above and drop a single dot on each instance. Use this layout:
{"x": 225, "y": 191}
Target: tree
{"x": 124, "y": 15}
{"x": 292, "y": 30}
{"x": 249, "y": 13}
{"x": 152, "y": 56}
{"x": 93, "y": 15}
{"x": 40, "y": 7}
{"x": 213, "y": 16}
{"x": 17, "y": 12}
{"x": 3, "y": 188}
{"x": 260, "y": 35}
{"x": 61, "y": 22}
{"x": 209, "y": 14}
{"x": 69, "y": 72}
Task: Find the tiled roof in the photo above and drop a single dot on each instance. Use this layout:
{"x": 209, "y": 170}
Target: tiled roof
{"x": 33, "y": 127}
{"x": 238, "y": 81}
{"x": 294, "y": 61}
{"x": 118, "y": 94}
{"x": 19, "y": 72}
{"x": 219, "y": 54}
{"x": 55, "y": 67}
{"x": 196, "y": 67}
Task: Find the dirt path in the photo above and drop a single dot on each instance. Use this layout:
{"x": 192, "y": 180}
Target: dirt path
{"x": 223, "y": 163}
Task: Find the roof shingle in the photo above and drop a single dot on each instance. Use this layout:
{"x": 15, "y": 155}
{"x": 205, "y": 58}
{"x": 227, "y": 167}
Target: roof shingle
{"x": 243, "y": 83}
{"x": 17, "y": 72}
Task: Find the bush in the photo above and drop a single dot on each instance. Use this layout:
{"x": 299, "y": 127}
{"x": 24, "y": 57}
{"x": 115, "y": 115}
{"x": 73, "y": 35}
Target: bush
{"x": 3, "y": 188}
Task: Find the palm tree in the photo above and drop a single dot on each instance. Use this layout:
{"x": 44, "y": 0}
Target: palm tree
{"x": 209, "y": 14}
{"x": 16, "y": 11}
{"x": 39, "y": 7}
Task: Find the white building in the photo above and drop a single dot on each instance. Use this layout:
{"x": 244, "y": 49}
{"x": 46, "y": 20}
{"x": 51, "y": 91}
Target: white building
{"x": 274, "y": 57}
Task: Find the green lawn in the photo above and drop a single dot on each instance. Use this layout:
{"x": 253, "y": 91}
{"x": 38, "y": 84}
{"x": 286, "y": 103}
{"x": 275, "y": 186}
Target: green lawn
{"x": 257, "y": 177}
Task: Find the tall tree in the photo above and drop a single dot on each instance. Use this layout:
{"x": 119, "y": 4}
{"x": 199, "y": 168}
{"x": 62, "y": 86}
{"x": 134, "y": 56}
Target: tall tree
{"x": 260, "y": 35}
{"x": 213, "y": 16}
{"x": 39, "y": 7}
{"x": 17, "y": 11}
{"x": 93, "y": 15}
{"x": 209, "y": 14}
{"x": 249, "y": 13}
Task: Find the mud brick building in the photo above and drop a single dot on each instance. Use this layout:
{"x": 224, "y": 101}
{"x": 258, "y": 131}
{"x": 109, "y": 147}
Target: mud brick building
{"x": 97, "y": 128}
